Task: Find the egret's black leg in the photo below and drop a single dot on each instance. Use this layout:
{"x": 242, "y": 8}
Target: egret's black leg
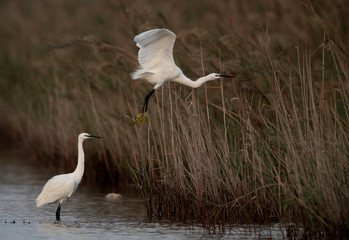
{"x": 58, "y": 213}
{"x": 146, "y": 100}
{"x": 140, "y": 119}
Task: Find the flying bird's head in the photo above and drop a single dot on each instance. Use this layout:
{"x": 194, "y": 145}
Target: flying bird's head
{"x": 217, "y": 75}
{"x": 213, "y": 76}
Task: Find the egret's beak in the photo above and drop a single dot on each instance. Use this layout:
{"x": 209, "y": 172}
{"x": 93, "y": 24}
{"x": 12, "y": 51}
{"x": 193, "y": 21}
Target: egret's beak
{"x": 91, "y": 136}
{"x": 225, "y": 76}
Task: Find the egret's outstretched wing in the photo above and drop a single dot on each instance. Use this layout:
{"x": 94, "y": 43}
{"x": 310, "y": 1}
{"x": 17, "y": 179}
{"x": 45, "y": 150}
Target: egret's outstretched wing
{"x": 156, "y": 48}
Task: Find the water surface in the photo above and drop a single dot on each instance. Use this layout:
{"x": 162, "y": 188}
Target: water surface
{"x": 88, "y": 215}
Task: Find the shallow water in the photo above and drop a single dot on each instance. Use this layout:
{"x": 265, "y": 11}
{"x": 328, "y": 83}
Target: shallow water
{"x": 88, "y": 215}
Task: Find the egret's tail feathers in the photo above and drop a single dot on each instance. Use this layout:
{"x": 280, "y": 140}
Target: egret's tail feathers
{"x": 44, "y": 199}
{"x": 140, "y": 73}
{"x": 39, "y": 201}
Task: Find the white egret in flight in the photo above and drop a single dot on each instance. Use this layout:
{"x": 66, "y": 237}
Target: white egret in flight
{"x": 60, "y": 187}
{"x": 156, "y": 65}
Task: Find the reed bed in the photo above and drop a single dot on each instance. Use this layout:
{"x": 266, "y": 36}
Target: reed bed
{"x": 271, "y": 144}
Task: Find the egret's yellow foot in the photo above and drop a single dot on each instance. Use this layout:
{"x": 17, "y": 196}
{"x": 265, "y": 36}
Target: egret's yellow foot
{"x": 140, "y": 119}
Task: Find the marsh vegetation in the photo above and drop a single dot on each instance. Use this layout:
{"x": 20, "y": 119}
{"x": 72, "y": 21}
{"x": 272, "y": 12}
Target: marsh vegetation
{"x": 271, "y": 144}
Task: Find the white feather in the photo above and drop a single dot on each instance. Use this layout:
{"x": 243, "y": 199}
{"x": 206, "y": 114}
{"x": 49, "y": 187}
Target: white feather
{"x": 60, "y": 188}
{"x": 156, "y": 48}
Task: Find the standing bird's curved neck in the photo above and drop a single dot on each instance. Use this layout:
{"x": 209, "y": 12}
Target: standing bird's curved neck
{"x": 182, "y": 79}
{"x": 79, "y": 171}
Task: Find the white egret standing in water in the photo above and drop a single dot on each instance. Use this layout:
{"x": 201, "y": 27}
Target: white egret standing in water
{"x": 62, "y": 186}
{"x": 156, "y": 65}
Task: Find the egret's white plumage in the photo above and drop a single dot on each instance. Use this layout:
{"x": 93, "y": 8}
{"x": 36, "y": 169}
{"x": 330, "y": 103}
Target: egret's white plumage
{"x": 155, "y": 56}
{"x": 157, "y": 66}
{"x": 58, "y": 188}
{"x": 62, "y": 186}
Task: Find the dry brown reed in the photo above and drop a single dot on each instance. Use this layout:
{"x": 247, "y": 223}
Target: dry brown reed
{"x": 270, "y": 144}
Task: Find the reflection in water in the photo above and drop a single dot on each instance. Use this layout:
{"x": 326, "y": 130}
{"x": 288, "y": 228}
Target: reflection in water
{"x": 89, "y": 215}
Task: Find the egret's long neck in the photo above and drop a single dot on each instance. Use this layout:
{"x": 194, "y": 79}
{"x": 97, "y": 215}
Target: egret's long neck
{"x": 79, "y": 171}
{"x": 182, "y": 79}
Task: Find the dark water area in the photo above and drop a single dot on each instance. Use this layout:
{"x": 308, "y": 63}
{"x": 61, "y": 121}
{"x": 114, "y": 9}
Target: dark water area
{"x": 89, "y": 215}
